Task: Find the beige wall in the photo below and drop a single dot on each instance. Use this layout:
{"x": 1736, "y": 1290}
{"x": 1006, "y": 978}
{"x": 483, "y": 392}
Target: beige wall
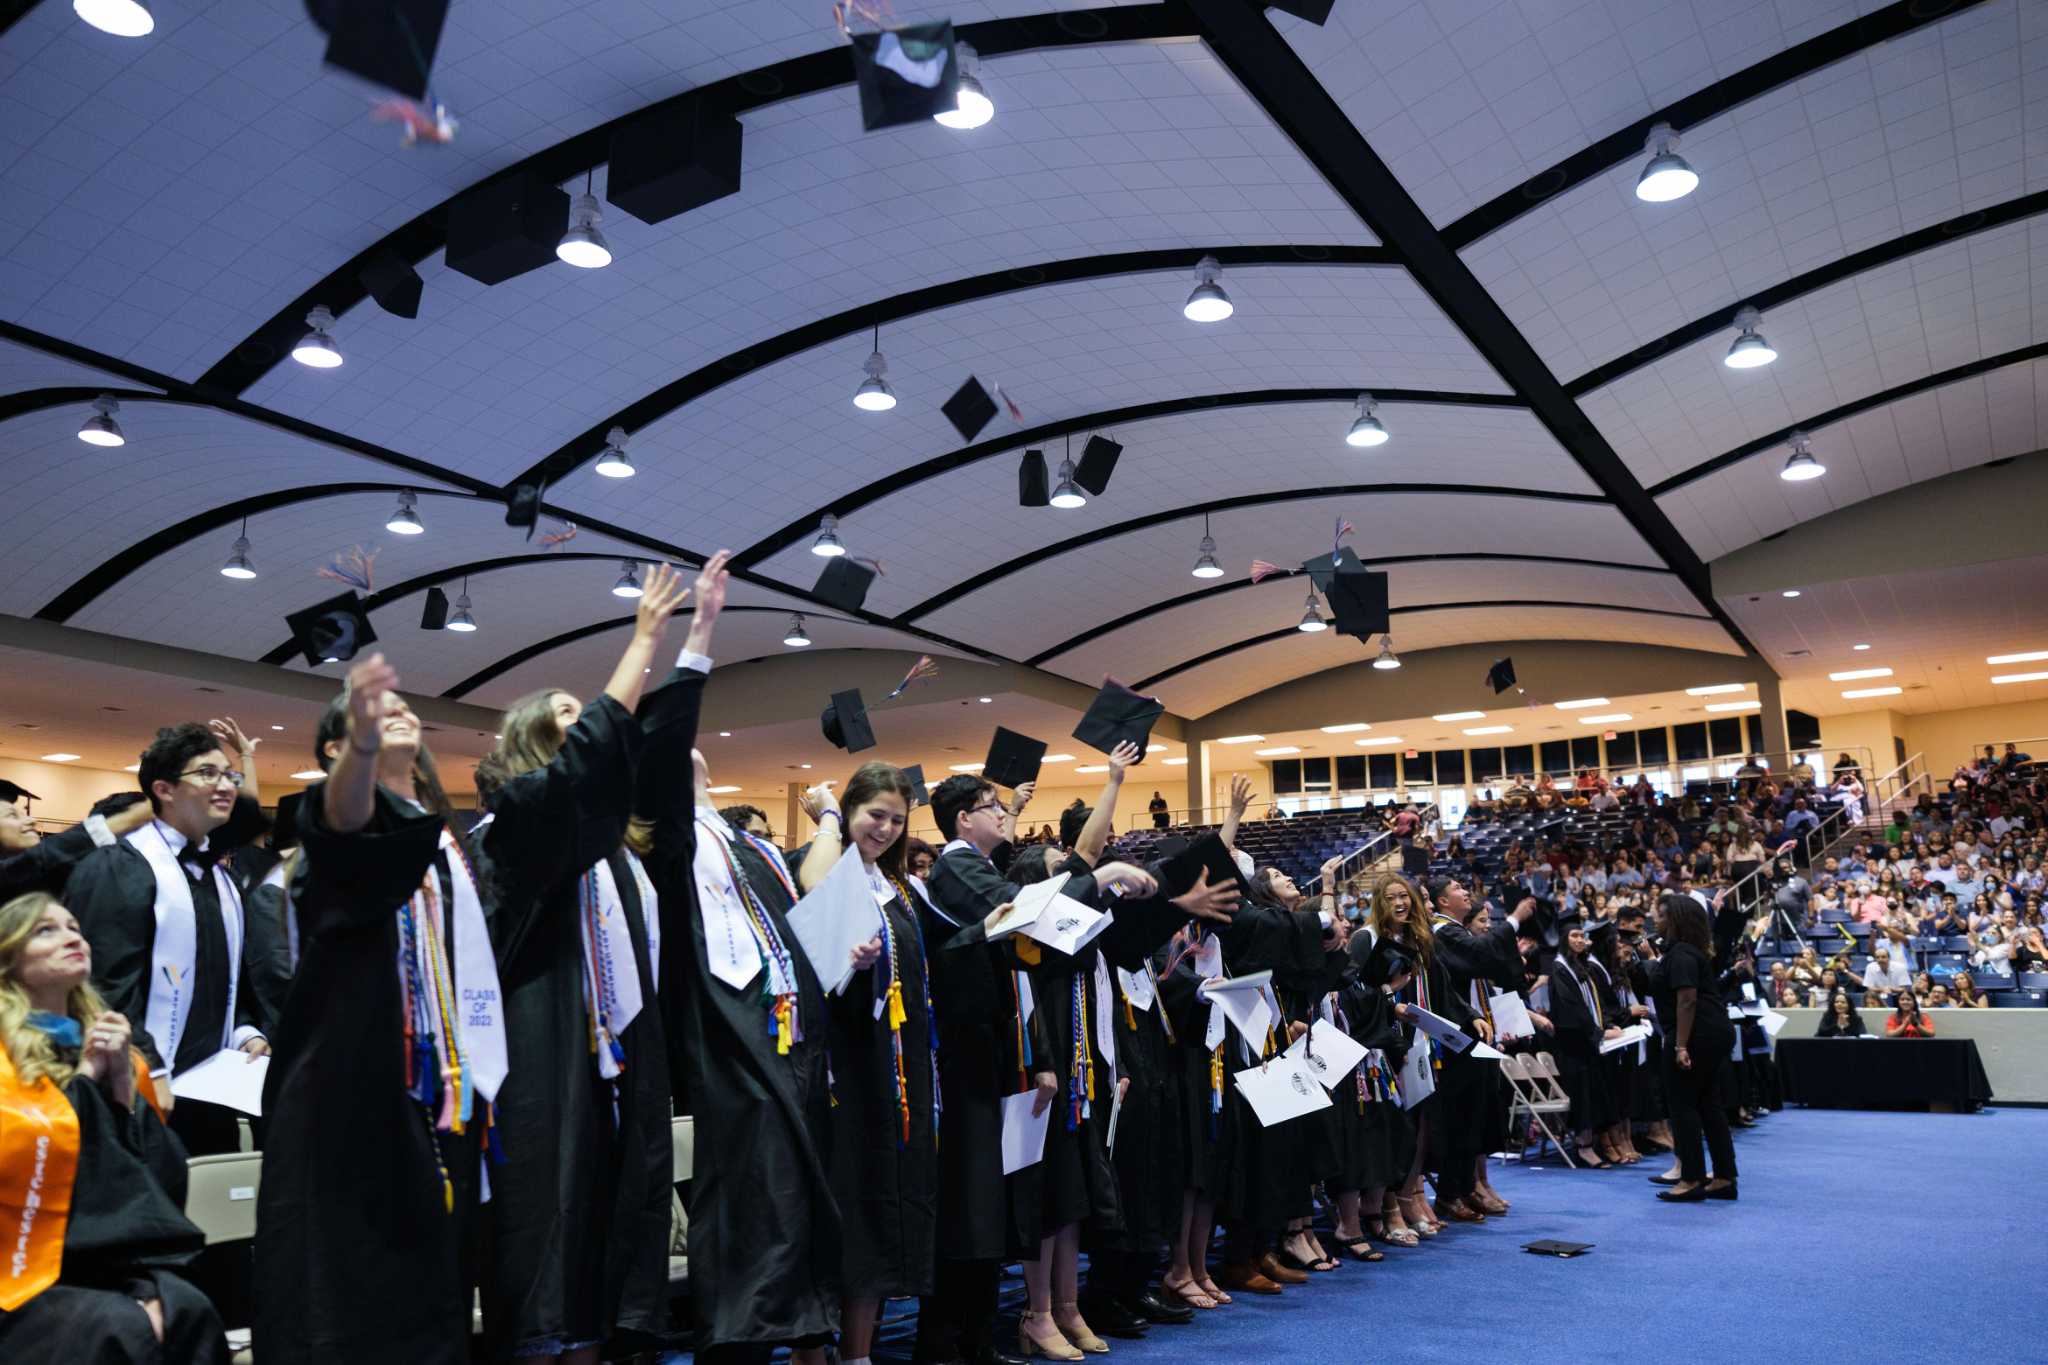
{"x": 1949, "y": 737}
{"x": 1871, "y": 730}
{"x": 67, "y": 791}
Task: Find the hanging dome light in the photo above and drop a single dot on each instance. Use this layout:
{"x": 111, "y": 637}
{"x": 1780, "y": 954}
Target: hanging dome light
{"x": 1208, "y": 302}
{"x": 316, "y": 348}
{"x": 1068, "y": 494}
{"x": 1312, "y": 620}
{"x": 973, "y": 107}
{"x": 1366, "y": 429}
{"x": 1668, "y": 176}
{"x": 406, "y": 520}
{"x": 462, "y": 620}
{"x": 874, "y": 393}
{"x": 239, "y": 564}
{"x": 629, "y": 580}
{"x": 1749, "y": 349}
{"x": 101, "y": 429}
{"x": 827, "y": 545}
{"x": 583, "y": 245}
{"x": 796, "y": 639}
{"x": 614, "y": 462}
{"x": 1802, "y": 466}
{"x": 1205, "y": 555}
{"x": 122, "y": 18}
{"x": 1386, "y": 657}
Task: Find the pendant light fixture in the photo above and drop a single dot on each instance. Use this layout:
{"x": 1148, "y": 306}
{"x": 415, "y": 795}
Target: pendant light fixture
{"x": 629, "y": 580}
{"x": 122, "y": 18}
{"x": 1366, "y": 429}
{"x": 1311, "y": 619}
{"x": 316, "y": 348}
{"x": 874, "y": 393}
{"x": 795, "y": 638}
{"x": 828, "y": 544}
{"x": 239, "y": 564}
{"x": 406, "y": 520}
{"x": 1386, "y": 657}
{"x": 614, "y": 462}
{"x": 583, "y": 245}
{"x": 1802, "y": 466}
{"x": 1749, "y": 349}
{"x": 462, "y": 620}
{"x": 1068, "y": 494}
{"x": 1205, "y": 554}
{"x": 973, "y": 107}
{"x": 1208, "y": 302}
{"x": 101, "y": 429}
{"x": 1668, "y": 176}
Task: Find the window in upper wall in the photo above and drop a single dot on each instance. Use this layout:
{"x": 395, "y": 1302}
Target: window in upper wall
{"x": 1286, "y": 776}
{"x": 1450, "y": 765}
{"x": 1691, "y": 741}
{"x": 1653, "y": 746}
{"x": 1520, "y": 760}
{"x": 1556, "y": 757}
{"x": 1350, "y": 772}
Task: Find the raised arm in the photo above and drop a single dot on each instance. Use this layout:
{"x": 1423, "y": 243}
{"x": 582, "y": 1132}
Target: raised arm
{"x": 351, "y": 790}
{"x": 1095, "y": 834}
{"x": 664, "y": 593}
{"x": 243, "y": 748}
{"x": 1240, "y": 798}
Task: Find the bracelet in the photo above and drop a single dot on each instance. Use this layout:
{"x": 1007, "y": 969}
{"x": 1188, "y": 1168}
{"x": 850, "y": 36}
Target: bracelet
{"x": 835, "y": 814}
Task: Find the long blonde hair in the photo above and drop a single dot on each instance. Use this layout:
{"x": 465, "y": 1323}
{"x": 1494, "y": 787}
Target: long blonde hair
{"x": 1415, "y": 930}
{"x": 30, "y": 1049}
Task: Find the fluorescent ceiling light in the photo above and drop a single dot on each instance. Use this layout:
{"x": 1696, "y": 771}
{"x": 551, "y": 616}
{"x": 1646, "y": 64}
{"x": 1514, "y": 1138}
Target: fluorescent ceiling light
{"x": 1449, "y": 716}
{"x": 1853, "y": 674}
{"x": 721, "y": 791}
{"x": 1275, "y": 753}
{"x": 1614, "y": 718}
{"x": 1735, "y": 706}
{"x": 2031, "y": 656}
{"x": 309, "y": 775}
{"x": 1346, "y": 729}
{"x": 60, "y": 758}
{"x": 1175, "y": 762}
{"x": 1154, "y": 748}
{"x": 965, "y": 768}
{"x": 132, "y": 768}
{"x": 1491, "y": 730}
{"x": 2019, "y": 677}
{"x": 1583, "y": 703}
{"x": 1242, "y": 739}
{"x": 1873, "y": 692}
{"x": 1716, "y": 689}
{"x": 1057, "y": 758}
{"x": 1093, "y": 768}
{"x": 1377, "y": 742}
{"x": 1859, "y": 647}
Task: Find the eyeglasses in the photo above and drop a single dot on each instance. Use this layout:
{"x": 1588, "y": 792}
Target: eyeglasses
{"x": 986, "y": 805}
{"x": 210, "y": 776}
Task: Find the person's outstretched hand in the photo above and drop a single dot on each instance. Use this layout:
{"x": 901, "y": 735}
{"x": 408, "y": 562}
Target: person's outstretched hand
{"x": 658, "y": 601}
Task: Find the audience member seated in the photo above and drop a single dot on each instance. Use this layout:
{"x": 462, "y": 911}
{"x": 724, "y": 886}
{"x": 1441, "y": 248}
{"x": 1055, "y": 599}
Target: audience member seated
{"x": 1906, "y": 1020}
{"x": 1883, "y": 975}
{"x": 1840, "y": 1019}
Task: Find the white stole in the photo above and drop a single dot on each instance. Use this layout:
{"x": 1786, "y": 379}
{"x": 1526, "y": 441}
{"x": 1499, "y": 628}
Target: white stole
{"x": 481, "y": 1015}
{"x": 611, "y": 979}
{"x": 735, "y": 954}
{"x": 1105, "y": 1016}
{"x": 174, "y": 952}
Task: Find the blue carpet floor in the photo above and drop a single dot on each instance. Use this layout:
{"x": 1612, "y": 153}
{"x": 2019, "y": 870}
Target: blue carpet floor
{"x": 1830, "y": 1229}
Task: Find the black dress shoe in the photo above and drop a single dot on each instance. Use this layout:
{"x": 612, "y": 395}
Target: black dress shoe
{"x": 1695, "y": 1195}
{"x": 1727, "y": 1192}
{"x": 1153, "y": 1308}
{"x": 989, "y": 1355}
{"x": 1663, "y": 1180}
{"x": 1109, "y": 1318}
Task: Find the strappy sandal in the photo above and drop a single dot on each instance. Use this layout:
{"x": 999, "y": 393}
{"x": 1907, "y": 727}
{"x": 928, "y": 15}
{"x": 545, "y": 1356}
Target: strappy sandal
{"x": 1590, "y": 1156}
{"x": 1190, "y": 1293}
{"x": 1359, "y": 1249}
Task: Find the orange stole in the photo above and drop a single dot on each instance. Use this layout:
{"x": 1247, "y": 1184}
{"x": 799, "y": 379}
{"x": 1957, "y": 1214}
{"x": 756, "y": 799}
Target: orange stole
{"x": 38, "y": 1162}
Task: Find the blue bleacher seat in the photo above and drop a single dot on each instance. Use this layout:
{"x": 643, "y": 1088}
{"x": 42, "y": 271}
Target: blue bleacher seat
{"x": 1956, "y": 943}
{"x": 1992, "y": 981}
{"x": 2020, "y": 1000}
{"x": 2033, "y": 981}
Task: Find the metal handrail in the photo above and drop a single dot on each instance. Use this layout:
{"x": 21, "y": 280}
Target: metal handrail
{"x": 1813, "y": 845}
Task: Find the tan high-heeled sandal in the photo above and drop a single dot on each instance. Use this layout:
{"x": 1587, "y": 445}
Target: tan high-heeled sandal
{"x": 1415, "y": 1212}
{"x": 1067, "y": 1317}
{"x": 1053, "y": 1345}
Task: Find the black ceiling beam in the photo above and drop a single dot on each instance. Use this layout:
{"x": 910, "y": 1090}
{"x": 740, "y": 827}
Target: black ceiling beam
{"x": 1856, "y": 263}
{"x": 12, "y": 12}
{"x": 1513, "y": 603}
{"x": 792, "y": 79}
{"x": 1708, "y": 102}
{"x": 644, "y": 412}
{"x": 1218, "y": 590}
{"x": 1777, "y": 439}
{"x": 1275, "y": 76}
{"x": 846, "y": 504}
{"x": 27, "y": 401}
{"x": 1124, "y": 528}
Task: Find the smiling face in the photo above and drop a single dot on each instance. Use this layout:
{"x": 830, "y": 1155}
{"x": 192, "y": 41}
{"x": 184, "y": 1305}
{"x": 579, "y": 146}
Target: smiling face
{"x": 55, "y": 958}
{"x": 17, "y": 830}
{"x": 877, "y": 823}
{"x": 201, "y": 798}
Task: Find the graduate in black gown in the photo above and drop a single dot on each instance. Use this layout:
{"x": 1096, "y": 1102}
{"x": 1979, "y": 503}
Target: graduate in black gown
{"x": 94, "y": 1273}
{"x": 747, "y": 1036}
{"x": 576, "y": 1259}
{"x": 1583, "y": 1017}
{"x": 389, "y": 1047}
{"x": 1376, "y": 1141}
{"x": 1399, "y": 917}
{"x": 29, "y": 863}
{"x": 885, "y": 1097}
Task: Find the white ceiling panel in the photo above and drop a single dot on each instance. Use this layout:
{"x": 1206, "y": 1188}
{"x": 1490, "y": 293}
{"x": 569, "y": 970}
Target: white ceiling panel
{"x": 23, "y": 368}
{"x": 1234, "y": 676}
{"x": 1176, "y": 634}
{"x": 1033, "y": 609}
{"x": 160, "y": 199}
{"x": 70, "y": 505}
{"x": 1466, "y": 100}
{"x": 1898, "y": 137}
{"x": 1947, "y": 306}
{"x": 726, "y": 469}
{"x": 1957, "y": 426}
{"x": 1095, "y": 150}
{"x": 1189, "y": 458}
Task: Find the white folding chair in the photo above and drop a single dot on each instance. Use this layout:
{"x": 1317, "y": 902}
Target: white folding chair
{"x": 220, "y": 1199}
{"x": 683, "y": 1146}
{"x": 1531, "y": 1098}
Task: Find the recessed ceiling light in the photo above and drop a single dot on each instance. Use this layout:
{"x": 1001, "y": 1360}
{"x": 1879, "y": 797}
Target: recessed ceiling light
{"x": 1450, "y": 716}
{"x": 1093, "y": 768}
{"x": 2031, "y": 656}
{"x": 1175, "y": 762}
{"x": 1057, "y": 758}
{"x": 984, "y": 700}
{"x": 132, "y": 768}
{"x": 803, "y": 765}
{"x": 1735, "y": 706}
{"x": 1243, "y": 739}
{"x": 277, "y": 727}
{"x": 721, "y": 791}
{"x": 1853, "y": 674}
{"x": 1276, "y": 752}
{"x": 956, "y": 768}
{"x": 2019, "y": 677}
{"x": 1612, "y": 718}
{"x": 1582, "y": 703}
{"x": 1491, "y": 730}
{"x": 1377, "y": 742}
{"x": 1346, "y": 729}
{"x": 309, "y": 775}
{"x": 1715, "y": 689}
{"x": 1859, "y": 647}
{"x": 1872, "y": 692}
{"x": 725, "y": 734}
{"x": 1789, "y": 592}
{"x": 60, "y": 758}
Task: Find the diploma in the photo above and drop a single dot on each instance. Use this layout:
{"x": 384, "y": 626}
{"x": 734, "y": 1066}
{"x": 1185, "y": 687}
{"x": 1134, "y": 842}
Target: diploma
{"x": 229, "y": 1077}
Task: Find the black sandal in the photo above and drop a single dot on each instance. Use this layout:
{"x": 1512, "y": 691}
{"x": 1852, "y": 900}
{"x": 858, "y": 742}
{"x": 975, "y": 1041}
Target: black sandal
{"x": 1351, "y": 1249}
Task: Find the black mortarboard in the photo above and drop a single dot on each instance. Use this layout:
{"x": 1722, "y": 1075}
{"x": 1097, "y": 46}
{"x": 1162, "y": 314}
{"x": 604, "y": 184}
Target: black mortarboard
{"x": 1118, "y": 715}
{"x": 844, "y": 584}
{"x": 1208, "y": 853}
{"x": 1323, "y": 567}
{"x": 391, "y": 280}
{"x": 1358, "y": 599}
{"x": 906, "y": 74}
{"x": 1501, "y": 676}
{"x": 1098, "y": 462}
{"x": 333, "y": 631}
{"x": 389, "y": 43}
{"x": 1013, "y": 759}
{"x": 845, "y": 722}
{"x": 1032, "y": 490}
{"x": 10, "y": 792}
{"x": 522, "y": 505}
{"x": 969, "y": 409}
{"x": 1552, "y": 1247}
{"x": 1382, "y": 962}
{"x": 920, "y": 795}
{"x": 434, "y": 612}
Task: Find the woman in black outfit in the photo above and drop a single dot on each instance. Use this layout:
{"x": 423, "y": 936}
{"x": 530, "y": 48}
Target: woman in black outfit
{"x": 1840, "y": 1019}
{"x": 1698, "y": 1042}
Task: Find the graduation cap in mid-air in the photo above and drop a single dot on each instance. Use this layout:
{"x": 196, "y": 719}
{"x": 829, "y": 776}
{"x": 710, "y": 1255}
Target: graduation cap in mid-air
{"x": 1116, "y": 716}
{"x": 1357, "y": 595}
{"x": 10, "y": 792}
{"x": 522, "y": 505}
{"x": 845, "y": 583}
{"x": 920, "y": 795}
{"x": 1013, "y": 759}
{"x": 969, "y": 409}
{"x": 333, "y": 631}
{"x": 1098, "y": 462}
{"x": 1210, "y": 854}
{"x": 906, "y": 75}
{"x": 1501, "y": 676}
{"x": 845, "y": 722}
{"x": 389, "y": 43}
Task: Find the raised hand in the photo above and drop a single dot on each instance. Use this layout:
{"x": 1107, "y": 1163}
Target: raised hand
{"x": 819, "y": 799}
{"x": 663, "y": 594}
{"x": 231, "y": 737}
{"x": 1240, "y": 795}
{"x": 1121, "y": 757}
{"x": 369, "y": 682}
{"x": 1021, "y": 797}
{"x": 711, "y": 581}
{"x": 1127, "y": 878}
{"x": 1203, "y": 901}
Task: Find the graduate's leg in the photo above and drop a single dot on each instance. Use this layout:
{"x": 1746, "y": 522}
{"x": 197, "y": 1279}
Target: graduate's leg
{"x": 1181, "y": 1280}
{"x": 1348, "y": 1229}
{"x": 1037, "y": 1333}
{"x": 1199, "y": 1237}
{"x": 1038, "y": 1278}
{"x": 857, "y": 1327}
{"x": 1066, "y": 1288}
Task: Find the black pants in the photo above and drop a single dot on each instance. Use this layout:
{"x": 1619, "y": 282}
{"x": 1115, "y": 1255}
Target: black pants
{"x": 86, "y": 1326}
{"x": 957, "y": 1320}
{"x": 1694, "y": 1094}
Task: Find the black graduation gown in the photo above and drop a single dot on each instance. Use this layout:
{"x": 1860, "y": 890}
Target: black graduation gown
{"x": 1150, "y": 1156}
{"x": 126, "y": 1238}
{"x": 1204, "y": 1140}
{"x": 1376, "y": 1139}
{"x": 1583, "y": 1072}
{"x": 764, "y": 1229}
{"x": 352, "y": 1211}
{"x": 266, "y": 953}
{"x": 47, "y": 866}
{"x": 1476, "y": 1085}
{"x": 562, "y": 1258}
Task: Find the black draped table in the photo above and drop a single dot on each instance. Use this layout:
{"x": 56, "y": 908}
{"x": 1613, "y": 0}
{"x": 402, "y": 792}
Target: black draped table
{"x": 1883, "y": 1073}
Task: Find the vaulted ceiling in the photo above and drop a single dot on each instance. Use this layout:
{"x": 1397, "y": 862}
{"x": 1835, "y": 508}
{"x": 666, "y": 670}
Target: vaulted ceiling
{"x": 1433, "y": 203}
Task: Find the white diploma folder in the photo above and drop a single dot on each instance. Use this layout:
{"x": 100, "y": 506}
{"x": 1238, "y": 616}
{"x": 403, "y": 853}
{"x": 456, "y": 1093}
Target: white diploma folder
{"x": 1244, "y": 1004}
{"x": 229, "y": 1077}
{"x": 1327, "y": 1052}
{"x": 1439, "y": 1028}
{"x": 1630, "y": 1036}
{"x": 1510, "y": 1016}
{"x": 835, "y": 917}
{"x": 1023, "y": 1131}
{"x": 1281, "y": 1090}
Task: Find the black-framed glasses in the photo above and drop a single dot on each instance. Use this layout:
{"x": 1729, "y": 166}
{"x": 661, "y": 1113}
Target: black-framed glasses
{"x": 986, "y": 805}
{"x": 211, "y": 776}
